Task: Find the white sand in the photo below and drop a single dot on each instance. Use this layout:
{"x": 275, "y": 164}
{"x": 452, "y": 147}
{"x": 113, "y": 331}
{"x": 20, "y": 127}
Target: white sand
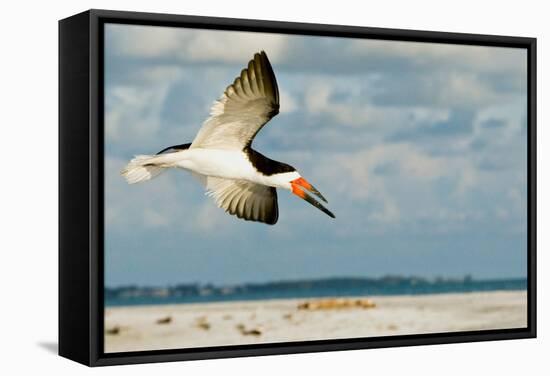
{"x": 227, "y": 323}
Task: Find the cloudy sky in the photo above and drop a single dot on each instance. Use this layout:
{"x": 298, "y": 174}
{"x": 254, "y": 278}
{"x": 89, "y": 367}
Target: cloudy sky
{"x": 419, "y": 148}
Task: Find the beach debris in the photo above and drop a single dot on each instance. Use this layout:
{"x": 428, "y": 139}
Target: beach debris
{"x": 202, "y": 322}
{"x": 255, "y": 331}
{"x": 295, "y": 319}
{"x": 113, "y": 331}
{"x": 339, "y": 303}
{"x": 164, "y": 320}
{"x": 392, "y": 327}
{"x": 227, "y": 317}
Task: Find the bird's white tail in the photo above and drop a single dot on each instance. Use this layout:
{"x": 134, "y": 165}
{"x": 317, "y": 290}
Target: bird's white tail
{"x": 141, "y": 168}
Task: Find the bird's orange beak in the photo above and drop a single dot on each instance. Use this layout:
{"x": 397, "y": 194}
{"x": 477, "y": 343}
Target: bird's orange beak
{"x": 298, "y": 184}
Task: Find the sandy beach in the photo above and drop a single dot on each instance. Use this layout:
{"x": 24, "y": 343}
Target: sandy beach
{"x": 235, "y": 323}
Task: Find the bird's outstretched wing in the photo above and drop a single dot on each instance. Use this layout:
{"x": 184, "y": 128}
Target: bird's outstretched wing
{"x": 249, "y": 201}
{"x": 246, "y": 105}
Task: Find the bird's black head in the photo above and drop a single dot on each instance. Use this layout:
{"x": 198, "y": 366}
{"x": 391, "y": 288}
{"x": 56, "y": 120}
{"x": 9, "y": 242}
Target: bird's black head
{"x": 282, "y": 175}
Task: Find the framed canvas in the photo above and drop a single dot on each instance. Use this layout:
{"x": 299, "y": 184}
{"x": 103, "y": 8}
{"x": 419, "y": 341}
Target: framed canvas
{"x": 236, "y": 187}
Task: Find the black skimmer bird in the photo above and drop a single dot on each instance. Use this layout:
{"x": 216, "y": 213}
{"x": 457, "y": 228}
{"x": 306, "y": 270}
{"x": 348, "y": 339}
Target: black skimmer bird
{"x": 242, "y": 181}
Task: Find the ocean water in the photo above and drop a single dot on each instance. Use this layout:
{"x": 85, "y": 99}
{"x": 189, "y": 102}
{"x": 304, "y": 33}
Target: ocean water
{"x": 304, "y": 289}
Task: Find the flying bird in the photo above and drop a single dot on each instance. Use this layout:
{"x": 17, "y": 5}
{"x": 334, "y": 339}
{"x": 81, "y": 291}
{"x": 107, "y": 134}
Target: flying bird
{"x": 242, "y": 181}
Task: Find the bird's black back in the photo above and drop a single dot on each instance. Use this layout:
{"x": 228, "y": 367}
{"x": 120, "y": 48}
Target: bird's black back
{"x": 264, "y": 165}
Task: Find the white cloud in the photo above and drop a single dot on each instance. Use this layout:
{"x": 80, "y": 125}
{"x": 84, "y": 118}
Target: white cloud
{"x": 468, "y": 179}
{"x": 133, "y": 111}
{"x": 400, "y": 184}
{"x": 193, "y": 45}
{"x": 439, "y": 55}
{"x": 142, "y": 41}
{"x": 153, "y": 218}
{"x": 387, "y": 213}
{"x": 209, "y": 217}
{"x": 288, "y": 102}
{"x": 358, "y": 111}
{"x": 152, "y": 204}
{"x": 408, "y": 160}
{"x": 317, "y": 98}
{"x": 363, "y": 183}
{"x": 464, "y": 90}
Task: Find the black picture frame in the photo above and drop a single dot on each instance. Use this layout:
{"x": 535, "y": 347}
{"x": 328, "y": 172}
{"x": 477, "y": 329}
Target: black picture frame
{"x": 81, "y": 187}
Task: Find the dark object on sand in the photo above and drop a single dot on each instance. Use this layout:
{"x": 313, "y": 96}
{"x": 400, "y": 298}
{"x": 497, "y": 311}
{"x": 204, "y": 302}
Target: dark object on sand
{"x": 113, "y": 331}
{"x": 322, "y": 304}
{"x": 257, "y": 331}
{"x": 202, "y": 322}
{"x": 165, "y": 320}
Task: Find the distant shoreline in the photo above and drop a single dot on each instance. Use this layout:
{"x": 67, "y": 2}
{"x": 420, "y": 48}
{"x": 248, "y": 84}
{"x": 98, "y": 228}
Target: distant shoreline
{"x": 298, "y": 289}
{"x": 154, "y": 327}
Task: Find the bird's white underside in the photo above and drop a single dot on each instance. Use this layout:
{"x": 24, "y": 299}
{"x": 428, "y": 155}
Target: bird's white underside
{"x": 224, "y": 164}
